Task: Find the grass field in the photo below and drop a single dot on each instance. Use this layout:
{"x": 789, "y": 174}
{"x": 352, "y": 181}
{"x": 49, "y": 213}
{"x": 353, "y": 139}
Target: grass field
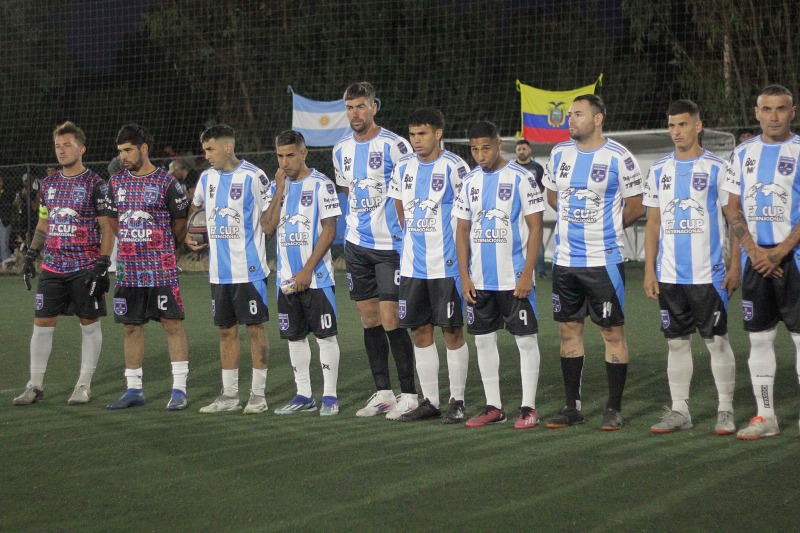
{"x": 84, "y": 468}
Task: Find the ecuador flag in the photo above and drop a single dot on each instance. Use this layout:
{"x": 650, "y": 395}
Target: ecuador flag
{"x": 544, "y": 113}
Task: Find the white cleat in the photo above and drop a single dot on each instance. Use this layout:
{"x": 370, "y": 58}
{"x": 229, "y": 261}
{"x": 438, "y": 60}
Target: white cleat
{"x": 222, "y": 404}
{"x": 379, "y": 403}
{"x": 256, "y": 404}
{"x": 405, "y": 404}
{"x": 29, "y": 396}
{"x": 760, "y": 427}
{"x": 80, "y": 395}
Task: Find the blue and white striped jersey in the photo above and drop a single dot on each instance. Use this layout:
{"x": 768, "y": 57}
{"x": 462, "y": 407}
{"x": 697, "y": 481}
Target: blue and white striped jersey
{"x": 767, "y": 178}
{"x": 496, "y": 204}
{"x": 689, "y": 197}
{"x": 591, "y": 187}
{"x": 366, "y": 169}
{"x": 428, "y": 191}
{"x": 305, "y": 204}
{"x": 234, "y": 202}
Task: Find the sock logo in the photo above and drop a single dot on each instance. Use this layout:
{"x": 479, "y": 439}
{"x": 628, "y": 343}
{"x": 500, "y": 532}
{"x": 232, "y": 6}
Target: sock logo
{"x": 765, "y": 396}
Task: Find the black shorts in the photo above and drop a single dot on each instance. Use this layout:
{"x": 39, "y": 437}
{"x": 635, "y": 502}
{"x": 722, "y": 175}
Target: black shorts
{"x": 686, "y": 308}
{"x": 239, "y": 303}
{"x": 66, "y": 294}
{"x": 138, "y": 305}
{"x": 310, "y": 311}
{"x": 595, "y": 291}
{"x": 430, "y": 301}
{"x": 372, "y": 273}
{"x": 495, "y": 309}
{"x": 766, "y": 301}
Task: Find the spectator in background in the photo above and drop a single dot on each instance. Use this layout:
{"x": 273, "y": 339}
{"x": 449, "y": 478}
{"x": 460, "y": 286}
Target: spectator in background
{"x": 7, "y": 212}
{"x": 744, "y": 135}
{"x": 114, "y": 167}
{"x": 185, "y": 175}
{"x": 27, "y": 205}
{"x": 524, "y": 158}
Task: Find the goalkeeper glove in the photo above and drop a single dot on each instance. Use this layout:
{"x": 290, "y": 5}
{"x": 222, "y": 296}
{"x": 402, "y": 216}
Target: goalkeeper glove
{"x": 29, "y": 267}
{"x": 97, "y": 277}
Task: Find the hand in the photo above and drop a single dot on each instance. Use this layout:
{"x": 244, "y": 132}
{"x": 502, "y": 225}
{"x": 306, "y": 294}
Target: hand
{"x": 192, "y": 245}
{"x": 97, "y": 278}
{"x": 766, "y": 261}
{"x": 29, "y": 267}
{"x": 280, "y": 179}
{"x": 732, "y": 281}
{"x": 468, "y": 290}
{"x": 524, "y": 285}
{"x": 302, "y": 281}
{"x": 651, "y": 289}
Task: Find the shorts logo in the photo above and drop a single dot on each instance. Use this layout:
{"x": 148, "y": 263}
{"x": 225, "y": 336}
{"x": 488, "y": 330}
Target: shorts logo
{"x": 556, "y": 304}
{"x": 120, "y": 306}
{"x": 350, "y": 282}
{"x": 629, "y": 163}
{"x": 236, "y": 191}
{"x": 213, "y": 308}
{"x": 504, "y": 191}
{"x": 437, "y": 182}
{"x": 699, "y": 181}
{"x": 39, "y": 301}
{"x": 664, "y": 319}
{"x": 283, "y": 321}
{"x": 307, "y": 198}
{"x": 330, "y": 188}
{"x": 598, "y": 172}
{"x": 470, "y": 315}
{"x": 747, "y": 310}
{"x": 78, "y": 194}
{"x": 785, "y": 165}
{"x": 401, "y": 308}
{"x": 150, "y": 194}
{"x": 145, "y": 279}
{"x": 375, "y": 160}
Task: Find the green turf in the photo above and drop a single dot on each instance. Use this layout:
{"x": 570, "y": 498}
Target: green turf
{"x": 83, "y": 468}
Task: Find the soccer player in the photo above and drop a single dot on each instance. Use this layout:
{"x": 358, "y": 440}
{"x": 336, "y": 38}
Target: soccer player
{"x": 76, "y": 231}
{"x": 764, "y": 183}
{"x": 595, "y": 186}
{"x": 524, "y": 153}
{"x": 152, "y": 209}
{"x": 424, "y": 186}
{"x": 498, "y": 238}
{"x": 303, "y": 209}
{"x": 363, "y": 162}
{"x": 684, "y": 268}
{"x": 235, "y": 196}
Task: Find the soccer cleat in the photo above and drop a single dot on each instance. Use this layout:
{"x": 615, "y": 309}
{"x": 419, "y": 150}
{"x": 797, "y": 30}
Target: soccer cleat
{"x": 131, "y": 398}
{"x": 528, "y": 418}
{"x": 177, "y": 401}
{"x": 567, "y": 416}
{"x": 256, "y": 404}
{"x": 330, "y": 406}
{"x": 379, "y": 403}
{"x": 672, "y": 421}
{"x": 725, "y": 424}
{"x": 406, "y": 403}
{"x": 612, "y": 419}
{"x": 30, "y": 395}
{"x": 222, "y": 404}
{"x": 298, "y": 404}
{"x": 760, "y": 427}
{"x": 423, "y": 411}
{"x": 81, "y": 394}
{"x": 456, "y": 412}
{"x": 490, "y": 415}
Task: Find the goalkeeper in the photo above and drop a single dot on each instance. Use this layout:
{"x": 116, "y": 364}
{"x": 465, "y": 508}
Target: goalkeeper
{"x": 76, "y": 231}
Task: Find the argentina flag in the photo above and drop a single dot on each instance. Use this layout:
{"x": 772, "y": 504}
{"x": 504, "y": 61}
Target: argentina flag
{"x": 321, "y": 123}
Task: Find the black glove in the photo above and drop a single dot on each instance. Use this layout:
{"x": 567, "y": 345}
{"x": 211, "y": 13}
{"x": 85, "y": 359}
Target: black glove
{"x": 29, "y": 267}
{"x": 97, "y": 278}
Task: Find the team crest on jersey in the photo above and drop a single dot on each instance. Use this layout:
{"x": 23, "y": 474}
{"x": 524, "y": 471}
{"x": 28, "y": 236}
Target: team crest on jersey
{"x": 402, "y": 148}
{"x": 629, "y": 163}
{"x": 330, "y": 188}
{"x": 307, "y": 198}
{"x": 283, "y": 321}
{"x": 462, "y": 172}
{"x": 470, "y": 314}
{"x": 598, "y": 172}
{"x": 350, "y": 282}
{"x": 785, "y": 165}
{"x": 120, "y": 306}
{"x": 78, "y": 194}
{"x": 556, "y": 304}
{"x": 150, "y": 194}
{"x": 699, "y": 181}
{"x": 401, "y": 308}
{"x": 504, "y": 191}
{"x": 236, "y": 191}
{"x": 747, "y": 310}
{"x": 39, "y": 301}
{"x": 437, "y": 182}
{"x": 664, "y": 319}
{"x": 375, "y": 160}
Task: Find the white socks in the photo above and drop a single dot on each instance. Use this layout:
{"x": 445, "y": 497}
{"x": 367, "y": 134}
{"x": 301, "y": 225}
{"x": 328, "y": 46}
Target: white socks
{"x": 489, "y": 365}
{"x": 180, "y": 372}
{"x": 91, "y": 344}
{"x": 230, "y": 382}
{"x": 300, "y": 356}
{"x": 427, "y": 360}
{"x": 723, "y": 366}
{"x": 41, "y": 346}
{"x": 762, "y": 370}
{"x": 133, "y": 376}
{"x": 329, "y": 361}
{"x": 457, "y": 364}
{"x": 529, "y": 367}
{"x": 679, "y": 372}
{"x": 258, "y": 384}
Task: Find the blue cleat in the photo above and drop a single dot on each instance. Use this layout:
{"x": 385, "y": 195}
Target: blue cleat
{"x": 298, "y": 404}
{"x": 131, "y": 398}
{"x": 330, "y": 406}
{"x": 178, "y": 401}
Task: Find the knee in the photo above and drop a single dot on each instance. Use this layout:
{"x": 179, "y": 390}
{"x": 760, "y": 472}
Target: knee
{"x": 613, "y": 335}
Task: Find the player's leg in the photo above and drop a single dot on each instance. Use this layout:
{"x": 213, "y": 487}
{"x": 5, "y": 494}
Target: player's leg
{"x": 230, "y": 349}
{"x": 445, "y": 298}
{"x": 788, "y": 289}
{"x": 483, "y": 320}
{"x": 387, "y": 274}
{"x": 321, "y": 312}
{"x": 88, "y": 309}
{"x": 521, "y": 320}
{"x": 130, "y": 310}
{"x": 178, "y": 347}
